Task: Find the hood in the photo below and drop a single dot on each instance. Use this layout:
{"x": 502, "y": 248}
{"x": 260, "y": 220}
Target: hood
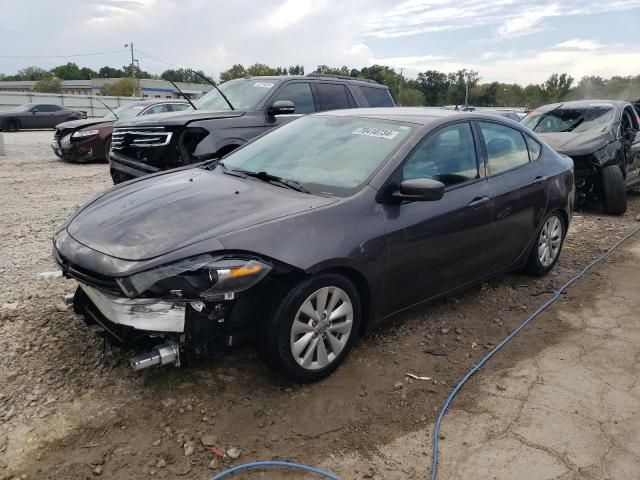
{"x": 177, "y": 118}
{"x": 159, "y": 214}
{"x": 76, "y": 124}
{"x": 574, "y": 144}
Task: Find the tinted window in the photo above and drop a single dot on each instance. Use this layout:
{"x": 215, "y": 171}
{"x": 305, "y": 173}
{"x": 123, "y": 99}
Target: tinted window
{"x": 332, "y": 96}
{"x": 377, "y": 97}
{"x": 162, "y": 108}
{"x": 505, "y": 147}
{"x": 179, "y": 107}
{"x": 449, "y": 155}
{"x": 299, "y": 94}
{"x": 534, "y": 148}
{"x": 47, "y": 108}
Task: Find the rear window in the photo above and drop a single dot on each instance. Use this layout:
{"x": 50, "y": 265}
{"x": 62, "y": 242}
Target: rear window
{"x": 332, "y": 96}
{"x": 377, "y": 97}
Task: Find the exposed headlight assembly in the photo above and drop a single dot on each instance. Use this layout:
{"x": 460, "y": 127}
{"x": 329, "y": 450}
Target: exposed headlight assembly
{"x": 202, "y": 277}
{"x": 84, "y": 133}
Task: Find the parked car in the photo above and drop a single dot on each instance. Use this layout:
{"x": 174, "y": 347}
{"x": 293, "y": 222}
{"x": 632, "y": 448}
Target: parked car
{"x": 90, "y": 139}
{"x": 37, "y": 115}
{"x": 313, "y": 234}
{"x": 246, "y": 108}
{"x": 603, "y": 139}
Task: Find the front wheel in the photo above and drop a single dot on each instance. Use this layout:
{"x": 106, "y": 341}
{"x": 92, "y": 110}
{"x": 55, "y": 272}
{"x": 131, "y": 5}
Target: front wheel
{"x": 613, "y": 190}
{"x": 546, "y": 250}
{"x": 313, "y": 328}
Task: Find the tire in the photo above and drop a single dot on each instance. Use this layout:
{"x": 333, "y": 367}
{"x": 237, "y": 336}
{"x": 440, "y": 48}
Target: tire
{"x": 12, "y": 125}
{"x": 117, "y": 177}
{"x": 614, "y": 195}
{"x": 548, "y": 245}
{"x": 107, "y": 147}
{"x": 301, "y": 340}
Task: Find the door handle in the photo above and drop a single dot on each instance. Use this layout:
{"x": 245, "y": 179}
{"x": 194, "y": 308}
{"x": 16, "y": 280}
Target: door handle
{"x": 539, "y": 179}
{"x": 478, "y": 201}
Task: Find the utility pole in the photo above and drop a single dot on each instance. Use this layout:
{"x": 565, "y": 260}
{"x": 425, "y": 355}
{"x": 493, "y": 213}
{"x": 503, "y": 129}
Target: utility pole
{"x": 466, "y": 93}
{"x": 400, "y": 83}
{"x": 133, "y": 69}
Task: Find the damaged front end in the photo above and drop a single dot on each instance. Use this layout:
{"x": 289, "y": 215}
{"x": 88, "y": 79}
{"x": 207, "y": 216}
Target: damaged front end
{"x": 174, "y": 314}
{"x": 587, "y": 168}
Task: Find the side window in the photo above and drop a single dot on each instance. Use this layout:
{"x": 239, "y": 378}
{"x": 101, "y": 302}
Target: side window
{"x": 332, "y": 96}
{"x": 162, "y": 108}
{"x": 47, "y": 108}
{"x": 300, "y": 94}
{"x": 377, "y": 97}
{"x": 629, "y": 120}
{"x": 534, "y": 148}
{"x": 448, "y": 155}
{"x": 179, "y": 107}
{"x": 506, "y": 148}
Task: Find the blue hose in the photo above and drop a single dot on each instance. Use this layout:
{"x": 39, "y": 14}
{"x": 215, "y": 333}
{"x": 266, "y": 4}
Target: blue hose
{"x": 275, "y": 464}
{"x": 485, "y": 359}
{"x": 452, "y": 395}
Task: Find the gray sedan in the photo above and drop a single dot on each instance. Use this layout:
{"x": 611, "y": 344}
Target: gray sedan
{"x": 38, "y": 115}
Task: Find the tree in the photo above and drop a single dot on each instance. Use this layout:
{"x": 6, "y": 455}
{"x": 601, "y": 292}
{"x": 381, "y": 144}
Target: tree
{"x": 110, "y": 72}
{"x": 121, "y": 88}
{"x": 183, "y": 75}
{"x": 382, "y": 74}
{"x": 260, "y": 69}
{"x": 556, "y": 87}
{"x": 296, "y": 70}
{"x": 237, "y": 71}
{"x": 326, "y": 70}
{"x": 410, "y": 97}
{"x": 434, "y": 86}
{"x": 71, "y": 71}
{"x": 48, "y": 84}
{"x": 32, "y": 73}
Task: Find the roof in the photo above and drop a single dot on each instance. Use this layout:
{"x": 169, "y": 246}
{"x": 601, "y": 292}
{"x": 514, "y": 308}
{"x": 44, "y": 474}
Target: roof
{"x": 319, "y": 76}
{"x": 417, "y": 115}
{"x": 153, "y": 101}
{"x": 619, "y": 104}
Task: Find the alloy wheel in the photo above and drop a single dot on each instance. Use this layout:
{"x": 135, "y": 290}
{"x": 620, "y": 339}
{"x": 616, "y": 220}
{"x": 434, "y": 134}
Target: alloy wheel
{"x": 321, "y": 328}
{"x": 549, "y": 241}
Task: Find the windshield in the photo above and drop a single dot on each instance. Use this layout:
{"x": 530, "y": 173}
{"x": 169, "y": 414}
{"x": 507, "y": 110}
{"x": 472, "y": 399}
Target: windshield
{"x": 25, "y": 107}
{"x": 327, "y": 155}
{"x": 596, "y": 118}
{"x": 126, "y": 111}
{"x": 244, "y": 94}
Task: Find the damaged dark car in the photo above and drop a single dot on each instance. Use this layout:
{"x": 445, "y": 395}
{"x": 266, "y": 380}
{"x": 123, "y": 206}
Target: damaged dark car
{"x": 313, "y": 234}
{"x": 603, "y": 139}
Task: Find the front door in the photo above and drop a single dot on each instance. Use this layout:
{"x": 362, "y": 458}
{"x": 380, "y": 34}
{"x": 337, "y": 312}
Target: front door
{"x": 436, "y": 246}
{"x": 302, "y": 97}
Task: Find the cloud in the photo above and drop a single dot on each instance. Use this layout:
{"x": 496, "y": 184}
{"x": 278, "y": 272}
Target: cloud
{"x": 578, "y": 44}
{"x": 508, "y": 17}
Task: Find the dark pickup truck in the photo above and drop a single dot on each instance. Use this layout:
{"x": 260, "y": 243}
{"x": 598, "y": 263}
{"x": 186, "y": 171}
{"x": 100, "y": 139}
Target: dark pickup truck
{"x": 246, "y": 108}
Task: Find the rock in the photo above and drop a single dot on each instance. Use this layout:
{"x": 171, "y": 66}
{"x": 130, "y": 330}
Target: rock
{"x": 638, "y": 218}
{"x": 445, "y": 330}
{"x": 189, "y": 448}
{"x": 458, "y": 330}
{"x": 161, "y": 463}
{"x": 181, "y": 468}
{"x": 234, "y": 452}
{"x": 437, "y": 352}
{"x": 97, "y": 470}
{"x": 363, "y": 393}
{"x": 213, "y": 464}
{"x": 157, "y": 443}
{"x": 398, "y": 386}
{"x": 209, "y": 440}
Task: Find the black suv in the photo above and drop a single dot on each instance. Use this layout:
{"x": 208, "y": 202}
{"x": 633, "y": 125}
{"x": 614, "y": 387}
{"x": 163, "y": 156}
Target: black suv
{"x": 227, "y": 119}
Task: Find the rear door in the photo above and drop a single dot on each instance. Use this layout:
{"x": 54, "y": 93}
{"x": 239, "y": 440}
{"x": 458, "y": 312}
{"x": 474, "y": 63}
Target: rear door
{"x": 333, "y": 96}
{"x": 518, "y": 188}
{"x": 436, "y": 246}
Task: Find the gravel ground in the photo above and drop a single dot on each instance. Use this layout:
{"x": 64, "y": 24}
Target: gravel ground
{"x": 70, "y": 407}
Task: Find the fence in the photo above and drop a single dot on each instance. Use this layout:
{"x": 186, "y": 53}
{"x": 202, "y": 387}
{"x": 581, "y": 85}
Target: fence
{"x": 89, "y": 104}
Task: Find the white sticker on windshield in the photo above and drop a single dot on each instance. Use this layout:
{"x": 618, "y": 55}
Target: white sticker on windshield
{"x": 263, "y": 84}
{"x": 376, "y": 132}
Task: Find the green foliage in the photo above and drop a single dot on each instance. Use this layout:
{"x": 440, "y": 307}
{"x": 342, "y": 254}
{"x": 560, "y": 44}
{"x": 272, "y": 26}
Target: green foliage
{"x": 556, "y": 87}
{"x": 410, "y": 97}
{"x": 71, "y": 71}
{"x": 183, "y": 75}
{"x": 48, "y": 84}
{"x": 237, "y": 71}
{"x": 110, "y": 72}
{"x": 121, "y": 88}
{"x": 296, "y": 70}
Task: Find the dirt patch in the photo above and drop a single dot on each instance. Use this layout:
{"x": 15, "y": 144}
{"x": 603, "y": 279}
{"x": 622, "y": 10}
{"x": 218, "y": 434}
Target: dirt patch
{"x": 70, "y": 407}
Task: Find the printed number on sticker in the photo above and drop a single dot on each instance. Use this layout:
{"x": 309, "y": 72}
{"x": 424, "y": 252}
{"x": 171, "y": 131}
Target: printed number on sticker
{"x": 376, "y": 132}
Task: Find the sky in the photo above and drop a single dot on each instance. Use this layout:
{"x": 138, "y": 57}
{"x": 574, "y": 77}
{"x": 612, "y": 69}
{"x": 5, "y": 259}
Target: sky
{"x": 504, "y": 40}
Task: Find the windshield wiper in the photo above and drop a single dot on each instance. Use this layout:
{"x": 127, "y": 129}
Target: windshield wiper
{"x": 214, "y": 85}
{"x": 267, "y": 177}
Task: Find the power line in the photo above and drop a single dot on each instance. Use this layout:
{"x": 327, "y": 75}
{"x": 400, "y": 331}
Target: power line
{"x": 158, "y": 59}
{"x": 64, "y": 56}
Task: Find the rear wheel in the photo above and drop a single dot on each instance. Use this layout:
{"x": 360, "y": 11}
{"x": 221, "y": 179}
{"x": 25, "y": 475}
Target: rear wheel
{"x": 614, "y": 196}
{"x": 12, "y": 125}
{"x": 313, "y": 328}
{"x": 546, "y": 250}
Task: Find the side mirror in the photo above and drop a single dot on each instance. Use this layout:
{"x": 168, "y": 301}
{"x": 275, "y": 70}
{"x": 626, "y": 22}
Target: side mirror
{"x": 420, "y": 190}
{"x": 281, "y": 107}
{"x": 34, "y": 111}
